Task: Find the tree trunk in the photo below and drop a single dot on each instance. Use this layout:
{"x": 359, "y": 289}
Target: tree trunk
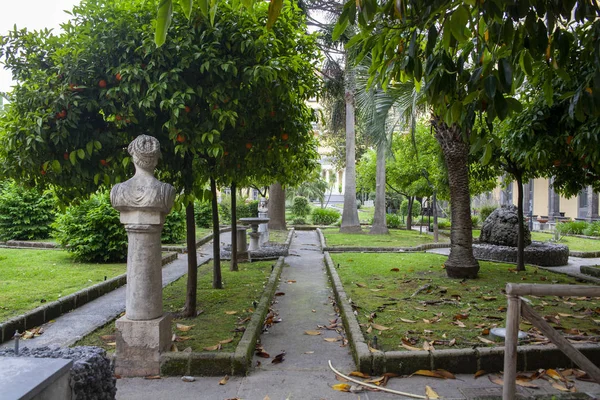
{"x": 411, "y": 201}
{"x": 189, "y": 310}
{"x": 379, "y": 223}
{"x": 350, "y": 222}
{"x": 276, "y": 211}
{"x": 435, "y": 219}
{"x": 217, "y": 281}
{"x": 461, "y": 263}
{"x": 521, "y": 234}
{"x": 234, "y": 264}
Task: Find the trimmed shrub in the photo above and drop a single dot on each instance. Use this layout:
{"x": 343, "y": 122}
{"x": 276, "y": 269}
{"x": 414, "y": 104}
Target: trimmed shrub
{"x": 301, "y": 206}
{"x": 358, "y": 204}
{"x": 91, "y": 230}
{"x": 571, "y": 227}
{"x": 593, "y": 229}
{"x": 242, "y": 210}
{"x": 443, "y": 225}
{"x": 394, "y": 221}
{"x": 174, "y": 228}
{"x": 485, "y": 212}
{"x": 324, "y": 216}
{"x": 474, "y": 220}
{"x": 25, "y": 214}
{"x": 416, "y": 208}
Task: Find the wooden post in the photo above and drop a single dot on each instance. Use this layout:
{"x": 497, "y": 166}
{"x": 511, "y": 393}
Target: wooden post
{"x": 510, "y": 347}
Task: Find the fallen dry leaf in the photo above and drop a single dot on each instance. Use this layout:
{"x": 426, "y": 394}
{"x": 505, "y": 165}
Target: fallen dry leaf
{"x": 111, "y": 343}
{"x": 341, "y": 387}
{"x": 263, "y": 354}
{"x": 484, "y": 340}
{"x": 497, "y": 381}
{"x": 279, "y": 358}
{"x": 174, "y": 348}
{"x": 555, "y": 375}
{"x": 411, "y": 348}
{"x": 373, "y": 350}
{"x": 479, "y": 373}
{"x": 312, "y": 333}
{"x": 279, "y": 294}
{"x": 213, "y": 348}
{"x": 408, "y": 321}
{"x": 432, "y": 374}
{"x": 230, "y": 312}
{"x": 108, "y": 338}
{"x": 309, "y": 352}
{"x": 226, "y": 341}
{"x": 525, "y": 383}
{"x": 445, "y": 374}
{"x": 359, "y": 374}
{"x": 361, "y": 285}
{"x": 291, "y": 281}
{"x": 184, "y": 328}
{"x": 395, "y": 270}
{"x": 380, "y": 327}
{"x": 331, "y": 340}
{"x": 224, "y": 380}
{"x": 152, "y": 377}
{"x": 430, "y": 393}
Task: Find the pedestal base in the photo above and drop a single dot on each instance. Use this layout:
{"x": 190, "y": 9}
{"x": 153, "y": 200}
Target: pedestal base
{"x": 254, "y": 241}
{"x": 139, "y": 344}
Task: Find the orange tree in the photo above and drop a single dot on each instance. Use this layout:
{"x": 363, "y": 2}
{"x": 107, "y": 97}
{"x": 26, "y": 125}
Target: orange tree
{"x": 215, "y": 92}
{"x": 469, "y": 58}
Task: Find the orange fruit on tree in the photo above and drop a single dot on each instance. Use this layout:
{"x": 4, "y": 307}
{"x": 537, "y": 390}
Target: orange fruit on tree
{"x": 285, "y": 136}
{"x": 180, "y": 138}
{"x": 102, "y": 83}
{"x": 248, "y": 145}
{"x": 118, "y": 77}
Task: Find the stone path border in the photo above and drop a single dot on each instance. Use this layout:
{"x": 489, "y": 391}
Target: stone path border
{"x": 589, "y": 270}
{"x": 226, "y": 363}
{"x": 359, "y": 249}
{"x": 53, "y": 310}
{"x": 467, "y": 360}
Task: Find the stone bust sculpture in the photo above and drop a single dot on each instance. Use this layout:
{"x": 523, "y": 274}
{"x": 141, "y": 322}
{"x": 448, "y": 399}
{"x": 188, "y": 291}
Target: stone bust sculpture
{"x": 143, "y": 191}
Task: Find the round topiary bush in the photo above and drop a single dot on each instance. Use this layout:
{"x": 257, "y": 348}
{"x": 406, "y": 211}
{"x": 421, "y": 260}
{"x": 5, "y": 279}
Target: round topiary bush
{"x": 203, "y": 214}
{"x": 92, "y": 231}
{"x": 301, "y": 206}
{"x": 25, "y": 214}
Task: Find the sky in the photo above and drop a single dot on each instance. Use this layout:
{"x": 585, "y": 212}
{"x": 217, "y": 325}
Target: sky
{"x": 33, "y": 15}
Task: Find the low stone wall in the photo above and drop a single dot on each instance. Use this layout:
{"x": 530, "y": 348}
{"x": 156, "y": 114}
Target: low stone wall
{"x": 54, "y": 309}
{"x": 538, "y": 253}
{"x": 590, "y": 270}
{"x": 465, "y": 360}
{"x": 91, "y": 375}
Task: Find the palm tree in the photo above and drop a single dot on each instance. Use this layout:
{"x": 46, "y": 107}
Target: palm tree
{"x": 382, "y": 111}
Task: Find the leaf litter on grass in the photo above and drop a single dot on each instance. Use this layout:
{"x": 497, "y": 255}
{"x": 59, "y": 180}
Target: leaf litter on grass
{"x": 446, "y": 312}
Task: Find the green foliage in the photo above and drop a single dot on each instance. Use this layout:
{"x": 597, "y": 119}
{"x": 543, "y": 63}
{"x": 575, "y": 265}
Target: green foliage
{"x": 25, "y": 214}
{"x": 243, "y": 209}
{"x": 416, "y": 208}
{"x": 203, "y": 214}
{"x": 324, "y": 216}
{"x": 474, "y": 220}
{"x": 394, "y": 221}
{"x": 443, "y": 224}
{"x": 485, "y": 212}
{"x": 299, "y": 221}
{"x": 572, "y": 227}
{"x": 174, "y": 228}
{"x": 92, "y": 231}
{"x": 301, "y": 206}
{"x": 593, "y": 229}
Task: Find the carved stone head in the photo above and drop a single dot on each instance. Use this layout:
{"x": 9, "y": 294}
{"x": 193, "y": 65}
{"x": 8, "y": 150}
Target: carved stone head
{"x": 145, "y": 151}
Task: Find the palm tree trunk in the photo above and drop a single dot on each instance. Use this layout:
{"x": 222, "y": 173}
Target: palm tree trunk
{"x": 460, "y": 263}
{"x": 350, "y": 222}
{"x": 234, "y": 263}
{"x": 217, "y": 281}
{"x": 379, "y": 223}
{"x": 276, "y": 210}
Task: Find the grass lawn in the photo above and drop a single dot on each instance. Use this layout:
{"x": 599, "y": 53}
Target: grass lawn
{"x": 572, "y": 242}
{"x": 278, "y": 236}
{"x": 223, "y": 309}
{"x": 365, "y": 214}
{"x": 29, "y": 278}
{"x": 385, "y": 286}
{"x": 396, "y": 238}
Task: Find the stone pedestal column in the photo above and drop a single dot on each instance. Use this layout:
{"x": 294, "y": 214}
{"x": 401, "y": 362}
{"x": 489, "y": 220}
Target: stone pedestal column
{"x": 143, "y": 201}
{"x": 263, "y": 229}
{"x": 242, "y": 244}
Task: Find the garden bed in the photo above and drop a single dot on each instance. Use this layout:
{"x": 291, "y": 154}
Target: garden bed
{"x": 423, "y": 319}
{"x": 398, "y": 239}
{"x": 221, "y": 339}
